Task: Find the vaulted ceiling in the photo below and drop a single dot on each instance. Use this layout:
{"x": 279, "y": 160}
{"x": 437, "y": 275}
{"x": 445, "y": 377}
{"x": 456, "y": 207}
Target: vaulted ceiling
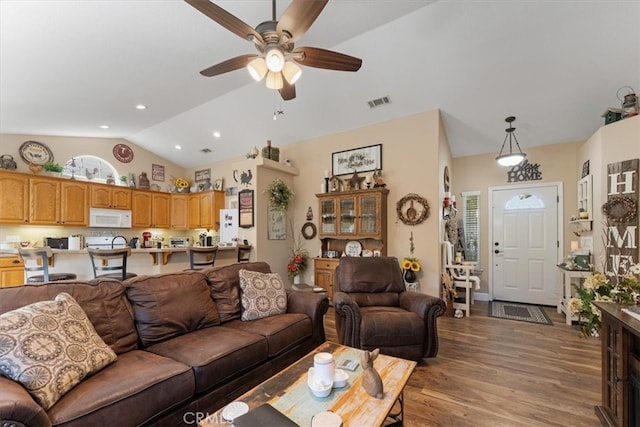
{"x": 68, "y": 67}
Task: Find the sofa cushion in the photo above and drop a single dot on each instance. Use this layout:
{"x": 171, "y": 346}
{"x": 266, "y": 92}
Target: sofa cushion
{"x": 282, "y": 332}
{"x": 225, "y": 286}
{"x": 216, "y": 354}
{"x": 49, "y": 347}
{"x": 103, "y": 300}
{"x": 169, "y": 305}
{"x": 263, "y": 294}
{"x": 130, "y": 391}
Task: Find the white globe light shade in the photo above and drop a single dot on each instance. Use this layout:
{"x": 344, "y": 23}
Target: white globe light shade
{"x": 291, "y": 72}
{"x": 274, "y": 59}
{"x": 274, "y": 80}
{"x": 257, "y": 68}
{"x": 510, "y": 159}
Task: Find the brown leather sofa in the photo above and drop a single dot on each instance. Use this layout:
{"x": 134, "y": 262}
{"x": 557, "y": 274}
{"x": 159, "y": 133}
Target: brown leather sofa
{"x": 182, "y": 349}
{"x": 374, "y": 310}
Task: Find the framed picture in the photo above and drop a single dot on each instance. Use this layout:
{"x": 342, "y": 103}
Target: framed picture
{"x": 362, "y": 159}
{"x": 157, "y": 172}
{"x": 245, "y": 209}
{"x": 202, "y": 175}
{"x": 231, "y": 191}
{"x": 218, "y": 184}
{"x": 277, "y": 224}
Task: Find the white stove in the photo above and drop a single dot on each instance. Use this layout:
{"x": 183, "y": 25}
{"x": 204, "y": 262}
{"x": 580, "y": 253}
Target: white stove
{"x": 105, "y": 242}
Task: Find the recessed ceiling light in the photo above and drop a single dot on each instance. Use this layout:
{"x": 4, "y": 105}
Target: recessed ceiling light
{"x": 178, "y": 147}
{"x": 141, "y": 107}
{"x": 217, "y": 134}
{"x": 104, "y": 126}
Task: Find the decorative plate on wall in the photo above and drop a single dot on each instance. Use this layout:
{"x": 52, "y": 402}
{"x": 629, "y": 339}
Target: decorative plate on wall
{"x": 35, "y": 152}
{"x": 123, "y": 153}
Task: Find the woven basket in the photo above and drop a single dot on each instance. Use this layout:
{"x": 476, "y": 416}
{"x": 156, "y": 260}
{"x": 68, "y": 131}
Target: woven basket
{"x": 272, "y": 153}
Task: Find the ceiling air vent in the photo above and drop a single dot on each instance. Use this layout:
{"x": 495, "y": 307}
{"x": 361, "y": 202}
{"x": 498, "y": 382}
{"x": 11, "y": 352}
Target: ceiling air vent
{"x": 206, "y": 150}
{"x": 379, "y": 102}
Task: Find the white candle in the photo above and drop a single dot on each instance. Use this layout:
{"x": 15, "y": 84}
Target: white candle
{"x": 574, "y": 245}
{"x": 326, "y": 173}
{"x": 322, "y": 188}
{"x": 453, "y": 199}
{"x": 447, "y": 194}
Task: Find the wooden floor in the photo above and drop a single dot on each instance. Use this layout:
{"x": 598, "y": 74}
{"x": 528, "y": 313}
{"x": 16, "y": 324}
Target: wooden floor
{"x": 497, "y": 372}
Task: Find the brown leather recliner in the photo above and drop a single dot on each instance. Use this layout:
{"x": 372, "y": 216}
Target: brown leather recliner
{"x": 374, "y": 310}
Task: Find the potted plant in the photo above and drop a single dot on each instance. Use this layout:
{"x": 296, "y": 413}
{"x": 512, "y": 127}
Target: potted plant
{"x": 53, "y": 169}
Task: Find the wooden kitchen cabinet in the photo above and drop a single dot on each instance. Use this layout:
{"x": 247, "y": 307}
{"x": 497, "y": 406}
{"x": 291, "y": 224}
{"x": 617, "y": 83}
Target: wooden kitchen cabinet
{"x": 14, "y": 198}
{"x": 179, "y": 211}
{"x": 324, "y": 274}
{"x": 150, "y": 209}
{"x": 204, "y": 209}
{"x": 58, "y": 202}
{"x": 11, "y": 271}
{"x": 110, "y": 197}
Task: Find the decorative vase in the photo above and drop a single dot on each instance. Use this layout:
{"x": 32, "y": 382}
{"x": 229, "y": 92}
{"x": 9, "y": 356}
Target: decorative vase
{"x": 297, "y": 279}
{"x": 409, "y": 276}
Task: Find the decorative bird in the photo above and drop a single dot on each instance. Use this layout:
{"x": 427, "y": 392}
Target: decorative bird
{"x": 89, "y": 174}
{"x": 35, "y": 168}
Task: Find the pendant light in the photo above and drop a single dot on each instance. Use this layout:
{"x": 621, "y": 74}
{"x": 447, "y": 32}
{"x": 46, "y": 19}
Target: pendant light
{"x": 511, "y": 158}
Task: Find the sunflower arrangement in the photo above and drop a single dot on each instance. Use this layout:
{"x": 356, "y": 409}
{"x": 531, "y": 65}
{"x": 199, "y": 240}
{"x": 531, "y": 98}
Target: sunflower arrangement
{"x": 411, "y": 263}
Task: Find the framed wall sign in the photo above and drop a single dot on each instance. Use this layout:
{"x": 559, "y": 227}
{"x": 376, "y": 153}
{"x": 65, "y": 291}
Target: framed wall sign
{"x": 202, "y": 175}
{"x": 362, "y": 159}
{"x": 277, "y": 224}
{"x": 157, "y": 172}
{"x": 245, "y": 209}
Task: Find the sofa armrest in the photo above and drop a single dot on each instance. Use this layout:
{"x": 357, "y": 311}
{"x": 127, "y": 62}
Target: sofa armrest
{"x": 17, "y": 407}
{"x": 312, "y": 304}
{"x": 429, "y": 308}
{"x": 347, "y": 315}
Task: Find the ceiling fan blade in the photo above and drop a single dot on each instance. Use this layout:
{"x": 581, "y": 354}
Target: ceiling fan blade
{"x": 299, "y": 16}
{"x": 322, "y": 58}
{"x": 228, "y": 65}
{"x": 227, "y": 20}
{"x": 288, "y": 92}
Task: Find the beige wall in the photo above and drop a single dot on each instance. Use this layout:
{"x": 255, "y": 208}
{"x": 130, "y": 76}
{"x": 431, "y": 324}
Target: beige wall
{"x": 612, "y": 143}
{"x": 558, "y": 163}
{"x": 64, "y": 148}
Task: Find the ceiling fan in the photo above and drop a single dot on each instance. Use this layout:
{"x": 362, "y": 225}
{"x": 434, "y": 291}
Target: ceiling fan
{"x": 274, "y": 40}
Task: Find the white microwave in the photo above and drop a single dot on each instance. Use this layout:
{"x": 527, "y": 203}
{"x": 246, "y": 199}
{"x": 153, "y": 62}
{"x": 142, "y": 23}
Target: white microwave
{"x": 109, "y": 218}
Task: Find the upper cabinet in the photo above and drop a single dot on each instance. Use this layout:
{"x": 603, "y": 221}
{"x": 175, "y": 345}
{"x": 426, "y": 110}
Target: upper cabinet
{"x": 110, "y": 197}
{"x": 14, "y": 198}
{"x": 353, "y": 215}
{"x": 179, "y": 211}
{"x": 58, "y": 202}
{"x": 150, "y": 209}
{"x": 204, "y": 209}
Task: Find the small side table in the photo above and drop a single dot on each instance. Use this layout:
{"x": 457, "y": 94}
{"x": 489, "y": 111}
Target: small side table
{"x": 569, "y": 277}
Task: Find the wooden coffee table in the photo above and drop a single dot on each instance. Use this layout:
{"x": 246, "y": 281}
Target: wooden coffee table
{"x": 287, "y": 391}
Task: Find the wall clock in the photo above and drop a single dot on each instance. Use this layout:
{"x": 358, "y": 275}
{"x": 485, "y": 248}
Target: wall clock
{"x": 36, "y": 153}
{"x": 123, "y": 153}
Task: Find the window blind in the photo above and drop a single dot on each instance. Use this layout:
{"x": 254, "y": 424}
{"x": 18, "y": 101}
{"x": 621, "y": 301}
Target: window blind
{"x": 471, "y": 224}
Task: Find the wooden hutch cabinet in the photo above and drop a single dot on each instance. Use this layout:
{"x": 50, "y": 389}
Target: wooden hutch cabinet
{"x": 349, "y": 216}
{"x": 620, "y": 341}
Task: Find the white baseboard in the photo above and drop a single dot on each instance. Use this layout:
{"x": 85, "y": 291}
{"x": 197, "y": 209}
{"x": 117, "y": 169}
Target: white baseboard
{"x": 480, "y": 296}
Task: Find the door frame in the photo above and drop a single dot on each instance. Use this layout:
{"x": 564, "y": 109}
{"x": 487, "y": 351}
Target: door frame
{"x": 560, "y": 247}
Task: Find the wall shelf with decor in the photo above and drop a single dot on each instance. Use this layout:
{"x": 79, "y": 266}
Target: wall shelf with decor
{"x": 581, "y": 225}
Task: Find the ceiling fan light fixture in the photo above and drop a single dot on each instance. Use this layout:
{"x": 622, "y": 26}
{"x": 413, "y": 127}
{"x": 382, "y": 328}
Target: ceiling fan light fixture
{"x": 274, "y": 80}
{"x": 511, "y": 158}
{"x": 291, "y": 72}
{"x": 274, "y": 59}
{"x": 257, "y": 68}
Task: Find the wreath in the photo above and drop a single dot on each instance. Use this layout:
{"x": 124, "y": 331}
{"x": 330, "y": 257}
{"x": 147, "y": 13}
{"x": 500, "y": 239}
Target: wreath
{"x": 309, "y": 230}
{"x": 411, "y": 215}
{"x": 620, "y": 209}
{"x": 280, "y": 194}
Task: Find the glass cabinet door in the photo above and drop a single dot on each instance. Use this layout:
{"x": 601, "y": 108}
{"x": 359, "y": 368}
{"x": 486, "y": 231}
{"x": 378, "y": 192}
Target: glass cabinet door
{"x": 368, "y": 206}
{"x": 328, "y": 216}
{"x": 347, "y": 215}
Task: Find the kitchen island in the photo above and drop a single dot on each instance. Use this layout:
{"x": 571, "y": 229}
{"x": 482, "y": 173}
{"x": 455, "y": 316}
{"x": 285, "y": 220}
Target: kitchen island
{"x": 141, "y": 261}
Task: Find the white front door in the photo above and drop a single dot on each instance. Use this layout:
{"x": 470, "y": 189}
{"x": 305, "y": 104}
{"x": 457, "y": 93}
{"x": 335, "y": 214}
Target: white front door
{"x": 524, "y": 247}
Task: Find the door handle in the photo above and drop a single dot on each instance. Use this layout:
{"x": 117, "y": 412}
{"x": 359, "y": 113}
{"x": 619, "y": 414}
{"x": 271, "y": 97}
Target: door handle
{"x": 497, "y": 251}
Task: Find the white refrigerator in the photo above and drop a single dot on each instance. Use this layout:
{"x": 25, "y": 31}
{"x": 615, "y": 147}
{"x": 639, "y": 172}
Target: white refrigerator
{"x": 228, "y": 227}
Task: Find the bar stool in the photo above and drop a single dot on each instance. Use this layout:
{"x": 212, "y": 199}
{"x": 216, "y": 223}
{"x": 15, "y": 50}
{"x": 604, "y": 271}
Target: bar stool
{"x": 201, "y": 256}
{"x": 101, "y": 258}
{"x": 244, "y": 252}
{"x": 41, "y": 257}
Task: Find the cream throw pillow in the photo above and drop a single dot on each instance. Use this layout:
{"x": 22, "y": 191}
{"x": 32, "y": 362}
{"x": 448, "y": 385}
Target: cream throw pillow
{"x": 263, "y": 295}
{"x": 49, "y": 347}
